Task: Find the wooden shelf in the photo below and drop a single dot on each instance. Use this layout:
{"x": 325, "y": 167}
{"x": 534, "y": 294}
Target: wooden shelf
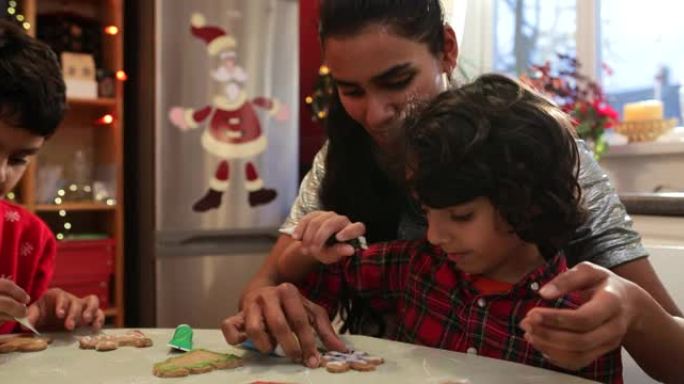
{"x": 87, "y": 206}
{"x": 96, "y": 103}
{"x": 105, "y": 145}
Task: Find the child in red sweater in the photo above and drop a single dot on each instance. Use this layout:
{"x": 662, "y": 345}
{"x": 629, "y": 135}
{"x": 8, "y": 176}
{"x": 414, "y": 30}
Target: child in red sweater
{"x": 32, "y": 104}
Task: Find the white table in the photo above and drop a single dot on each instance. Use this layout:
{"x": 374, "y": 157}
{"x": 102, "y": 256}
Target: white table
{"x": 63, "y": 362}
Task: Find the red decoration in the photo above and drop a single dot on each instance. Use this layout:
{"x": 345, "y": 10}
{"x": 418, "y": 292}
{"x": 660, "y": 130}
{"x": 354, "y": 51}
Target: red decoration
{"x": 578, "y": 95}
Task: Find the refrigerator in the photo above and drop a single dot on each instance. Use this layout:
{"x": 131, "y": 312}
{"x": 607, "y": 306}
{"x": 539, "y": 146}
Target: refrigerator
{"x": 226, "y": 149}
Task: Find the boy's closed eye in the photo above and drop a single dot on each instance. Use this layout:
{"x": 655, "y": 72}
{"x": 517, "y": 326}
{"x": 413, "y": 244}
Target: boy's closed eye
{"x": 23, "y": 160}
{"x": 22, "y": 157}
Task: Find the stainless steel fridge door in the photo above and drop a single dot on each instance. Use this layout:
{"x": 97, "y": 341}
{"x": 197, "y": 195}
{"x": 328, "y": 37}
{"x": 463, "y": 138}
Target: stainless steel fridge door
{"x": 225, "y": 55}
{"x": 199, "y": 283}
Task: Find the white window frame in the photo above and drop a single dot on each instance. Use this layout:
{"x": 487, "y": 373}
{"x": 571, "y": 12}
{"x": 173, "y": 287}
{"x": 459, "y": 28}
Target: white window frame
{"x": 478, "y": 42}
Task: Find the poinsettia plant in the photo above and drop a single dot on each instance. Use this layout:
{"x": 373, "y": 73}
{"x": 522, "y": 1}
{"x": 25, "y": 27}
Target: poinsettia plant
{"x": 578, "y": 95}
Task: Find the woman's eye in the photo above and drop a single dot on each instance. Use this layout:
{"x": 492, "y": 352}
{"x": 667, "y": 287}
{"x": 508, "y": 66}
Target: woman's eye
{"x": 400, "y": 84}
{"x": 465, "y": 217}
{"x": 351, "y": 92}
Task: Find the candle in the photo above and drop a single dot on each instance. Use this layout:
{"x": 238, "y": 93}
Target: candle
{"x": 643, "y": 110}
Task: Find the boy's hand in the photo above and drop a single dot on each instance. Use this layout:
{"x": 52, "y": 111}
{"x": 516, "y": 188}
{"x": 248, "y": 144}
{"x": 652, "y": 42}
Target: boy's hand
{"x": 13, "y": 300}
{"x": 60, "y": 309}
{"x": 314, "y": 230}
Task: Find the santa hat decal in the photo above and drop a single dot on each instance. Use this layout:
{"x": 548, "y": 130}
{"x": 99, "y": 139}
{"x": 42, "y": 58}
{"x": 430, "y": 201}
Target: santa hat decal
{"x": 216, "y": 38}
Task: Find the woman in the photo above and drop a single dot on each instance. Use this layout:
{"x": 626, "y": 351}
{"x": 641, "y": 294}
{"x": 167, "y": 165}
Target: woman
{"x": 384, "y": 54}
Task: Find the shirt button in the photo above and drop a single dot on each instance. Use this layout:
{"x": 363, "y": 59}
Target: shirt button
{"x": 481, "y": 302}
{"x": 534, "y": 286}
{"x": 471, "y": 351}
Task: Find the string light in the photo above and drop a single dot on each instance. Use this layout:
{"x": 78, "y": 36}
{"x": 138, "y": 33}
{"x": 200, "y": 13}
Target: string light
{"x": 319, "y": 101}
{"x": 121, "y": 75}
{"x": 13, "y": 12}
{"x": 111, "y": 30}
{"x": 105, "y": 119}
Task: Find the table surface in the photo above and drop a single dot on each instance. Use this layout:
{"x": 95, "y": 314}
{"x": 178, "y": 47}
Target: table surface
{"x": 64, "y": 362}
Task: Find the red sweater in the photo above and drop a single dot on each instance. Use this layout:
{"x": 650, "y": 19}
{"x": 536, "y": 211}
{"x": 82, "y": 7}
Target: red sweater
{"x": 27, "y": 253}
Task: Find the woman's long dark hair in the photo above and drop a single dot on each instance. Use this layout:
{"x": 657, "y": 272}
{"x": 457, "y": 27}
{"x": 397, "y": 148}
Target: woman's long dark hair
{"x": 355, "y": 182}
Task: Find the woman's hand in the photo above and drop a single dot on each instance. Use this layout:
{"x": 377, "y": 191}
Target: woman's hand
{"x": 314, "y": 230}
{"x": 60, "y": 309}
{"x": 281, "y": 315}
{"x": 573, "y": 338}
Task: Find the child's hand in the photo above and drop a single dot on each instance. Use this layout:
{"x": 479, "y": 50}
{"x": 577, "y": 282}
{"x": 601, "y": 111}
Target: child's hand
{"x": 60, "y": 309}
{"x": 317, "y": 227}
{"x": 13, "y": 300}
{"x": 573, "y": 338}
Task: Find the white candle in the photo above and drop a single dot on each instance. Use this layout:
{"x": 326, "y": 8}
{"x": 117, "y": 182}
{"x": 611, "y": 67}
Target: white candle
{"x": 643, "y": 110}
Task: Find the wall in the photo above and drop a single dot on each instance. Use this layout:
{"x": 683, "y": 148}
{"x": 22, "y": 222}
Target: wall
{"x": 311, "y": 135}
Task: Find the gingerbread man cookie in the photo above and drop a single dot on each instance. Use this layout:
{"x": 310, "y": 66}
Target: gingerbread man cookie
{"x": 24, "y": 343}
{"x": 337, "y": 362}
{"x": 105, "y": 343}
{"x": 194, "y": 362}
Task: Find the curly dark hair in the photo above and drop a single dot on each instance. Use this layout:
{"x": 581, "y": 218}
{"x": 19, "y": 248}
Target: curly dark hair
{"x": 32, "y": 90}
{"x": 497, "y": 138}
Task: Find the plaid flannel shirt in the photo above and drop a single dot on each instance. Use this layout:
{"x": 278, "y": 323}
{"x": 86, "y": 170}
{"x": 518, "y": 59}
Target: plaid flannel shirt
{"x": 436, "y": 305}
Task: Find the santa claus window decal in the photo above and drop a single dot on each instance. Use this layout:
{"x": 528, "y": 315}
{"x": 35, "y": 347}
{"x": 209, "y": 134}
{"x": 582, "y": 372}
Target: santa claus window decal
{"x": 232, "y": 127}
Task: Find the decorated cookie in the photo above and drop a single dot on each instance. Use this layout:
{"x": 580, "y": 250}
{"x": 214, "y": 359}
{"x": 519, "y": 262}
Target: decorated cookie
{"x": 337, "y": 362}
{"x": 195, "y": 361}
{"x": 105, "y": 343}
{"x": 24, "y": 343}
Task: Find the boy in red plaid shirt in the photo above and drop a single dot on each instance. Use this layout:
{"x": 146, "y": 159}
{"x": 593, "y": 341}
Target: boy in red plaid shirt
{"x": 494, "y": 166}
{"x": 32, "y": 104}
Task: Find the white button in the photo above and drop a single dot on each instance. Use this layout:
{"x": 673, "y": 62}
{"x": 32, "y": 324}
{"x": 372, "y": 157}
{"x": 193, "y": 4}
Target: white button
{"x": 481, "y": 302}
{"x": 534, "y": 286}
{"x": 472, "y": 351}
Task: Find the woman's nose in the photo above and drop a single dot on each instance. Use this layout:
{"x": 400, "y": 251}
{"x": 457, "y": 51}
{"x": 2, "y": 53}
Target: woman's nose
{"x": 379, "y": 113}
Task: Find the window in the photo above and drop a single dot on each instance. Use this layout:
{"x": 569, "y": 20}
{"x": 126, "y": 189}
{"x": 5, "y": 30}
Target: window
{"x": 532, "y": 31}
{"x": 643, "y": 39}
{"x": 640, "y": 43}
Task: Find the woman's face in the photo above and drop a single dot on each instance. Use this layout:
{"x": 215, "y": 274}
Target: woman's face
{"x": 378, "y": 73}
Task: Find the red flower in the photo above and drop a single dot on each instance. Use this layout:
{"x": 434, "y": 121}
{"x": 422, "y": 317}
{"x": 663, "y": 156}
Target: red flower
{"x": 577, "y": 95}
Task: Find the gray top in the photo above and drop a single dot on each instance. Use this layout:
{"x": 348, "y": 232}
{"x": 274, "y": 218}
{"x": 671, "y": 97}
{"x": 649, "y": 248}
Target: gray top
{"x": 606, "y": 238}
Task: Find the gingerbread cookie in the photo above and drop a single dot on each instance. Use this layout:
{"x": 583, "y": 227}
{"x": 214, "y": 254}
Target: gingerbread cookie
{"x": 337, "y": 362}
{"x": 24, "y": 343}
{"x": 105, "y": 343}
{"x": 195, "y": 361}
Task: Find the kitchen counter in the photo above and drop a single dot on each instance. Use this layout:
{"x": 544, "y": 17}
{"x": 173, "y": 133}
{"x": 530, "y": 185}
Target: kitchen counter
{"x": 654, "y": 204}
{"x": 64, "y": 362}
